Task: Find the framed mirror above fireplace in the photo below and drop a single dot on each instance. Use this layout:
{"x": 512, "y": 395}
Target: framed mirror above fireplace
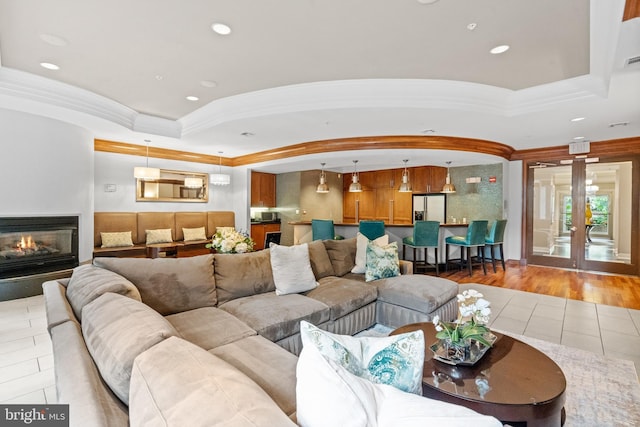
{"x": 174, "y": 186}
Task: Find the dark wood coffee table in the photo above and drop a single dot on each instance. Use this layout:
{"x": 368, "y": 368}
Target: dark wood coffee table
{"x": 513, "y": 381}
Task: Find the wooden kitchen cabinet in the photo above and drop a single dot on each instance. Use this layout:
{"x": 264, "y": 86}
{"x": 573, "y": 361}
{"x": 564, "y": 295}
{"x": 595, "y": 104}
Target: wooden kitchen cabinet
{"x": 259, "y": 231}
{"x": 427, "y": 179}
{"x": 263, "y": 190}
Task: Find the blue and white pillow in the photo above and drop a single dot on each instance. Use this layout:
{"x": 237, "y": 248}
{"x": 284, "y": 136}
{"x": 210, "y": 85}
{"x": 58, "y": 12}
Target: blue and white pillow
{"x": 397, "y": 360}
{"x": 382, "y": 261}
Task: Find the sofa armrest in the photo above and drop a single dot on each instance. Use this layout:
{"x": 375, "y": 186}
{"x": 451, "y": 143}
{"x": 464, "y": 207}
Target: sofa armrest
{"x": 406, "y": 267}
{"x": 56, "y": 304}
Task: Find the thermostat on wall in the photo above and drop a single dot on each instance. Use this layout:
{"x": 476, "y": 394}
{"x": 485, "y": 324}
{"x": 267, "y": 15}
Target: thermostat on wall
{"x": 110, "y": 188}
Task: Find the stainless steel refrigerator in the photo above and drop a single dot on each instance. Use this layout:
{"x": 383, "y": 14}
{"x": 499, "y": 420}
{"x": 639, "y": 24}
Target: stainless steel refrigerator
{"x": 430, "y": 207}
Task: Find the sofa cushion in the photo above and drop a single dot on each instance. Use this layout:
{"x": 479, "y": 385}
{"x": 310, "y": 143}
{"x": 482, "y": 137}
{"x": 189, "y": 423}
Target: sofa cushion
{"x": 343, "y": 296}
{"x": 417, "y": 292}
{"x": 116, "y": 240}
{"x": 277, "y": 317}
{"x": 272, "y": 367}
{"x": 382, "y": 261}
{"x": 116, "y": 330}
{"x": 396, "y": 360}
{"x": 353, "y": 401}
{"x": 319, "y": 258}
{"x": 362, "y": 242}
{"x": 342, "y": 254}
{"x": 291, "y": 269}
{"x": 88, "y": 282}
{"x": 209, "y": 327}
{"x": 240, "y": 275}
{"x": 168, "y": 285}
{"x": 176, "y": 383}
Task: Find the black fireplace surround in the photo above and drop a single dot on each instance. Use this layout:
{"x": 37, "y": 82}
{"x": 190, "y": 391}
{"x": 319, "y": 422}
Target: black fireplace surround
{"x": 34, "y": 245}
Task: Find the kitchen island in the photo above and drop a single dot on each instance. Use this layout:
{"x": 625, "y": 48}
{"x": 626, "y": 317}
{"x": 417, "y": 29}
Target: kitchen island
{"x": 302, "y": 234}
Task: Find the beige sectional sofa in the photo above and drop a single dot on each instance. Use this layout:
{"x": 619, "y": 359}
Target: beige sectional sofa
{"x": 187, "y": 341}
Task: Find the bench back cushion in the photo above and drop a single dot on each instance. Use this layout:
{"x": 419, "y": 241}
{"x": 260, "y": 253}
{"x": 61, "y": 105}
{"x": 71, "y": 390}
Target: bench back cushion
{"x": 114, "y": 222}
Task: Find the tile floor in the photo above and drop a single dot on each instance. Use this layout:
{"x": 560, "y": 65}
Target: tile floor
{"x": 26, "y": 361}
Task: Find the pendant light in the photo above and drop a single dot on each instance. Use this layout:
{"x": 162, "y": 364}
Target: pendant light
{"x": 322, "y": 187}
{"x": 448, "y": 186}
{"x": 405, "y": 186}
{"x": 220, "y": 178}
{"x": 145, "y": 172}
{"x": 355, "y": 186}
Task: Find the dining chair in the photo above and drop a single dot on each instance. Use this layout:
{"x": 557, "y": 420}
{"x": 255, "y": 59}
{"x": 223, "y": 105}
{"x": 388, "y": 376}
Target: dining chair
{"x": 476, "y": 233}
{"x": 425, "y": 236}
{"x": 371, "y": 229}
{"x": 495, "y": 237}
{"x": 322, "y": 229}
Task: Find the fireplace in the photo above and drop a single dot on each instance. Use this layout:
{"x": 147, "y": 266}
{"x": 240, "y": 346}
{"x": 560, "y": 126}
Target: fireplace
{"x": 34, "y": 245}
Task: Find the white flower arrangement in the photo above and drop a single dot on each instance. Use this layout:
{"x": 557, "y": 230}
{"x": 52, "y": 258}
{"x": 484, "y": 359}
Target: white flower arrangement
{"x": 474, "y": 313}
{"x": 230, "y": 241}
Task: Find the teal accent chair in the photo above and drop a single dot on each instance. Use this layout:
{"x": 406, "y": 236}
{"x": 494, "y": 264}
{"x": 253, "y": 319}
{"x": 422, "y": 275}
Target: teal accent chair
{"x": 495, "y": 237}
{"x": 371, "y": 229}
{"x": 322, "y": 229}
{"x": 425, "y": 236}
{"x": 476, "y": 233}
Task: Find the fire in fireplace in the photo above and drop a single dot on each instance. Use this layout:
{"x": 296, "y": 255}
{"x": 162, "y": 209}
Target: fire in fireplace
{"x": 33, "y": 245}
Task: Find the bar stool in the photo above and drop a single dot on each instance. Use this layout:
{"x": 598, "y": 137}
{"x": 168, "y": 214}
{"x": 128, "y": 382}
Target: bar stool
{"x": 476, "y": 234}
{"x": 322, "y": 229}
{"x": 425, "y": 236}
{"x": 494, "y": 238}
{"x": 371, "y": 229}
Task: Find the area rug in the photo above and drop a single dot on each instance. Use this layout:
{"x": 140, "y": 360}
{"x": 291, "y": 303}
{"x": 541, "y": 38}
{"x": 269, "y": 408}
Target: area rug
{"x": 601, "y": 391}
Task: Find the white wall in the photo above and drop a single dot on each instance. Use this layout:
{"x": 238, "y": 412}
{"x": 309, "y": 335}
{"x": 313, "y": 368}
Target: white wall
{"x": 513, "y": 209}
{"x": 46, "y": 168}
{"x": 111, "y": 168}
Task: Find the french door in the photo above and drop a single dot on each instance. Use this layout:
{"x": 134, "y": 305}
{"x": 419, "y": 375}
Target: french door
{"x": 583, "y": 214}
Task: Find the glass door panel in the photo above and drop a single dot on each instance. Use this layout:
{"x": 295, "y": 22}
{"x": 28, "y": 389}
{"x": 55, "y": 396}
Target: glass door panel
{"x": 552, "y": 214}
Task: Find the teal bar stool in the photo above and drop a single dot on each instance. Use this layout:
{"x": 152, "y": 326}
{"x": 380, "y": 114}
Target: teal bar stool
{"x": 322, "y": 229}
{"x": 371, "y": 229}
{"x": 495, "y": 237}
{"x": 425, "y": 236}
{"x": 476, "y": 234}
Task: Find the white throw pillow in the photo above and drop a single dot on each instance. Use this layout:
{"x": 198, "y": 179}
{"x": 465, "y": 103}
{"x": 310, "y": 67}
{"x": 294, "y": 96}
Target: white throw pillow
{"x": 291, "y": 269}
{"x": 327, "y": 394}
{"x": 361, "y": 251}
{"x": 162, "y": 235}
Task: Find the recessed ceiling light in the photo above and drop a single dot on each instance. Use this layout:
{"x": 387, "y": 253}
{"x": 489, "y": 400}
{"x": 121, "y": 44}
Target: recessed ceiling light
{"x": 192, "y": 98}
{"x": 427, "y": 1}
{"x": 472, "y": 26}
{"x": 613, "y": 125}
{"x": 208, "y": 83}
{"x": 159, "y": 77}
{"x": 247, "y": 134}
{"x": 578, "y": 137}
{"x": 221, "y": 29}
{"x": 428, "y": 131}
{"x": 49, "y": 66}
{"x": 499, "y": 49}
{"x": 577, "y": 119}
{"x": 53, "y": 40}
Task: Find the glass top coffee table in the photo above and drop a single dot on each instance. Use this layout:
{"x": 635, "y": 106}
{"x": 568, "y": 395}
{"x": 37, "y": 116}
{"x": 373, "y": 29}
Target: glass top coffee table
{"x": 513, "y": 381}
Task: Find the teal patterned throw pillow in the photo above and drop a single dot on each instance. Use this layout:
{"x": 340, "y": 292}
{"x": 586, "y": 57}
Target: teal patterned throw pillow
{"x": 382, "y": 261}
{"x": 396, "y": 360}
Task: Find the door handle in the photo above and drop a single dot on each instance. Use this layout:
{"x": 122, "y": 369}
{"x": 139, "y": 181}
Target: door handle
{"x": 574, "y": 229}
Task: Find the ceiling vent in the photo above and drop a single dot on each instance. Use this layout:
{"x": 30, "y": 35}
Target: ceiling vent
{"x": 632, "y": 60}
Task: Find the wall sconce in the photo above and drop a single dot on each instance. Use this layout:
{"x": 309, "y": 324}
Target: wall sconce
{"x": 322, "y": 186}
